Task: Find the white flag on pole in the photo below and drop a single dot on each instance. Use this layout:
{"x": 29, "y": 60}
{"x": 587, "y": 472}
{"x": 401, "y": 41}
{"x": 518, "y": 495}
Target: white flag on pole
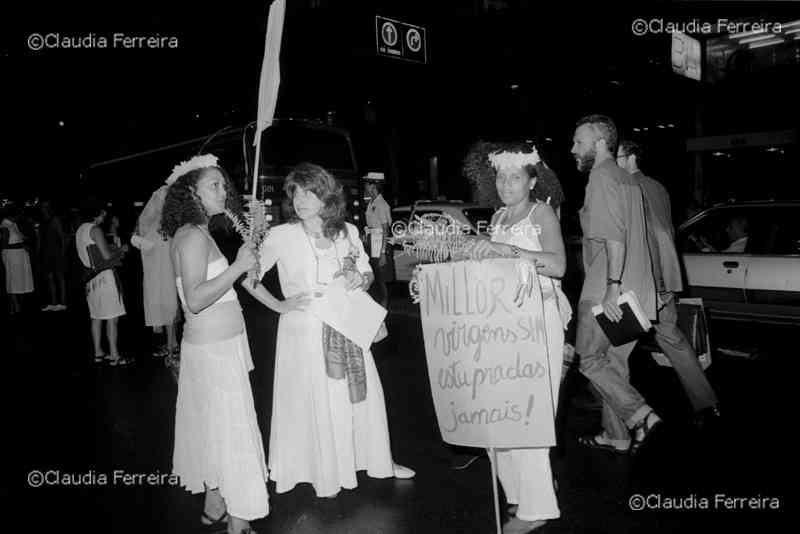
{"x": 270, "y": 69}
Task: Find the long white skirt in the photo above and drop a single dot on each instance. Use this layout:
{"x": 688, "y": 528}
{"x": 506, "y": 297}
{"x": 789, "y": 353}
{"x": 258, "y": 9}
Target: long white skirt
{"x": 19, "y": 276}
{"x": 217, "y": 440}
{"x": 318, "y": 436}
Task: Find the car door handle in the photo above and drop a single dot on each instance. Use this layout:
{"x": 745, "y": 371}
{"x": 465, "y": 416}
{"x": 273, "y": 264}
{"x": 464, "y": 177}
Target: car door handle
{"x": 730, "y": 264}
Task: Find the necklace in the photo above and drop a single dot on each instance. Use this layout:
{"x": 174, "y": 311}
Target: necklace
{"x": 315, "y": 235}
{"x": 316, "y": 256}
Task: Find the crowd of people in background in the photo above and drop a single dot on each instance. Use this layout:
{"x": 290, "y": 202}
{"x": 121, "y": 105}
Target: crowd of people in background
{"x": 58, "y": 258}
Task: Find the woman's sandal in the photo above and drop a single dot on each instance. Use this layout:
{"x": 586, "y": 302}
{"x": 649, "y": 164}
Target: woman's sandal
{"x": 119, "y": 360}
{"x": 98, "y": 358}
{"x": 643, "y": 429}
{"x": 593, "y": 442}
{"x": 210, "y": 521}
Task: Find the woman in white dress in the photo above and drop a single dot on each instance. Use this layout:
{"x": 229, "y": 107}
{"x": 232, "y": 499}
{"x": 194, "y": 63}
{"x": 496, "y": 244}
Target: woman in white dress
{"x": 218, "y": 447}
{"x": 530, "y": 231}
{"x": 328, "y": 413}
{"x": 102, "y": 286}
{"x": 158, "y": 276}
{"x": 17, "y": 262}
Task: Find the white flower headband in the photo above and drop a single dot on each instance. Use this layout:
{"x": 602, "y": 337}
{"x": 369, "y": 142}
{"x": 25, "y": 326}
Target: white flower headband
{"x": 505, "y": 160}
{"x": 197, "y": 162}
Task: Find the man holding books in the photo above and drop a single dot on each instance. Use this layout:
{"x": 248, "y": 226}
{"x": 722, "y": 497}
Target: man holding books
{"x": 616, "y": 257}
{"x": 668, "y": 336}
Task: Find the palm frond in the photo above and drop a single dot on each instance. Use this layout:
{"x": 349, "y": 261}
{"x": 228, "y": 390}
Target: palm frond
{"x": 435, "y": 239}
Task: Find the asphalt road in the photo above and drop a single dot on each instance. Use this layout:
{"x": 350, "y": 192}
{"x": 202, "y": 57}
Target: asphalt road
{"x": 66, "y": 414}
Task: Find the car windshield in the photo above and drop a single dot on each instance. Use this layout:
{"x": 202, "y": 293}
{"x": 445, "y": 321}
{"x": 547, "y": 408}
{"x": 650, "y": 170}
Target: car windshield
{"x": 401, "y": 214}
{"x": 743, "y": 229}
{"x": 287, "y": 145}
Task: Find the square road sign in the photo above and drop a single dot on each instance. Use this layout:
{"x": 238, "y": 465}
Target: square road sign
{"x": 401, "y": 40}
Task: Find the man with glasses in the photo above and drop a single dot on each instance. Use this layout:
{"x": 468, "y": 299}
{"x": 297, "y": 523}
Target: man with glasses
{"x": 669, "y": 337}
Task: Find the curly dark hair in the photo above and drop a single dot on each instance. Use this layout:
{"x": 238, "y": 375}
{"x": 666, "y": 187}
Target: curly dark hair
{"x": 182, "y": 205}
{"x": 311, "y": 177}
{"x": 548, "y": 187}
{"x": 479, "y": 171}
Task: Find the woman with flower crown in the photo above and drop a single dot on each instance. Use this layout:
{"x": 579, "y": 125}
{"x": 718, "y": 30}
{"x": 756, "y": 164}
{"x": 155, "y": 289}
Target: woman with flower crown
{"x": 218, "y": 447}
{"x": 528, "y": 230}
{"x": 328, "y": 413}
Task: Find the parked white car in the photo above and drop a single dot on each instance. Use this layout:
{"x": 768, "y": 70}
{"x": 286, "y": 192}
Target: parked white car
{"x": 752, "y": 278}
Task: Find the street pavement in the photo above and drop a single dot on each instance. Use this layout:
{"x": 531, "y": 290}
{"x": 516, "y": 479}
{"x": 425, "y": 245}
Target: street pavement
{"x": 84, "y": 421}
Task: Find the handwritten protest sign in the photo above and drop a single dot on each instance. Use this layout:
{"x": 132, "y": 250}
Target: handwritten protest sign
{"x": 487, "y": 358}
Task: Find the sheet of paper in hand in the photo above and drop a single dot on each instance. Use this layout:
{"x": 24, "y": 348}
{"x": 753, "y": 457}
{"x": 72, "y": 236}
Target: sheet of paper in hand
{"x": 487, "y": 358}
{"x": 353, "y": 313}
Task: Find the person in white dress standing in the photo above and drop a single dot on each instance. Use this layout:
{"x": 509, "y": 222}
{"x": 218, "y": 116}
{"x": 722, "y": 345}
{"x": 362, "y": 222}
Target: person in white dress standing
{"x": 328, "y": 414}
{"x": 17, "y": 262}
{"x": 158, "y": 276}
{"x": 529, "y": 230}
{"x": 102, "y": 286}
{"x": 218, "y": 448}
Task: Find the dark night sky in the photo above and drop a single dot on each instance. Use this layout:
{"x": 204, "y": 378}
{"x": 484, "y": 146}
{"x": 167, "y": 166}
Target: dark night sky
{"x": 116, "y": 101}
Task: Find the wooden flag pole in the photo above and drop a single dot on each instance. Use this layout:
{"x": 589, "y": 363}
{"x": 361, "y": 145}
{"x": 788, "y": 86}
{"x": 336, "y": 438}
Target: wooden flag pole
{"x": 493, "y": 462}
{"x": 256, "y": 164}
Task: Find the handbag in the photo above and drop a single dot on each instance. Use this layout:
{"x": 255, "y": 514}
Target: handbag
{"x": 99, "y": 263}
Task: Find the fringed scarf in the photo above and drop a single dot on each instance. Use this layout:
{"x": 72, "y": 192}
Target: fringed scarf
{"x": 344, "y": 359}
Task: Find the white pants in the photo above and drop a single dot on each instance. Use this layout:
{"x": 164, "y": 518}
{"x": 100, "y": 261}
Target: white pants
{"x": 525, "y": 473}
{"x": 528, "y": 482}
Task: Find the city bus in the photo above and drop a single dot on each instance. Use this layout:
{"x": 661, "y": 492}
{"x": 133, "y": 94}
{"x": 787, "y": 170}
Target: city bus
{"x": 127, "y": 182}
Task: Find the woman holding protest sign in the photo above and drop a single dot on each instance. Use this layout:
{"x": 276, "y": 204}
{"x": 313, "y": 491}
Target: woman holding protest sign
{"x": 328, "y": 416}
{"x": 528, "y": 230}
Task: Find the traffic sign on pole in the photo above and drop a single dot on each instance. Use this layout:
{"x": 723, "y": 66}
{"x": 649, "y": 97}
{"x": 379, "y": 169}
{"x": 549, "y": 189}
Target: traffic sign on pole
{"x": 401, "y": 40}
